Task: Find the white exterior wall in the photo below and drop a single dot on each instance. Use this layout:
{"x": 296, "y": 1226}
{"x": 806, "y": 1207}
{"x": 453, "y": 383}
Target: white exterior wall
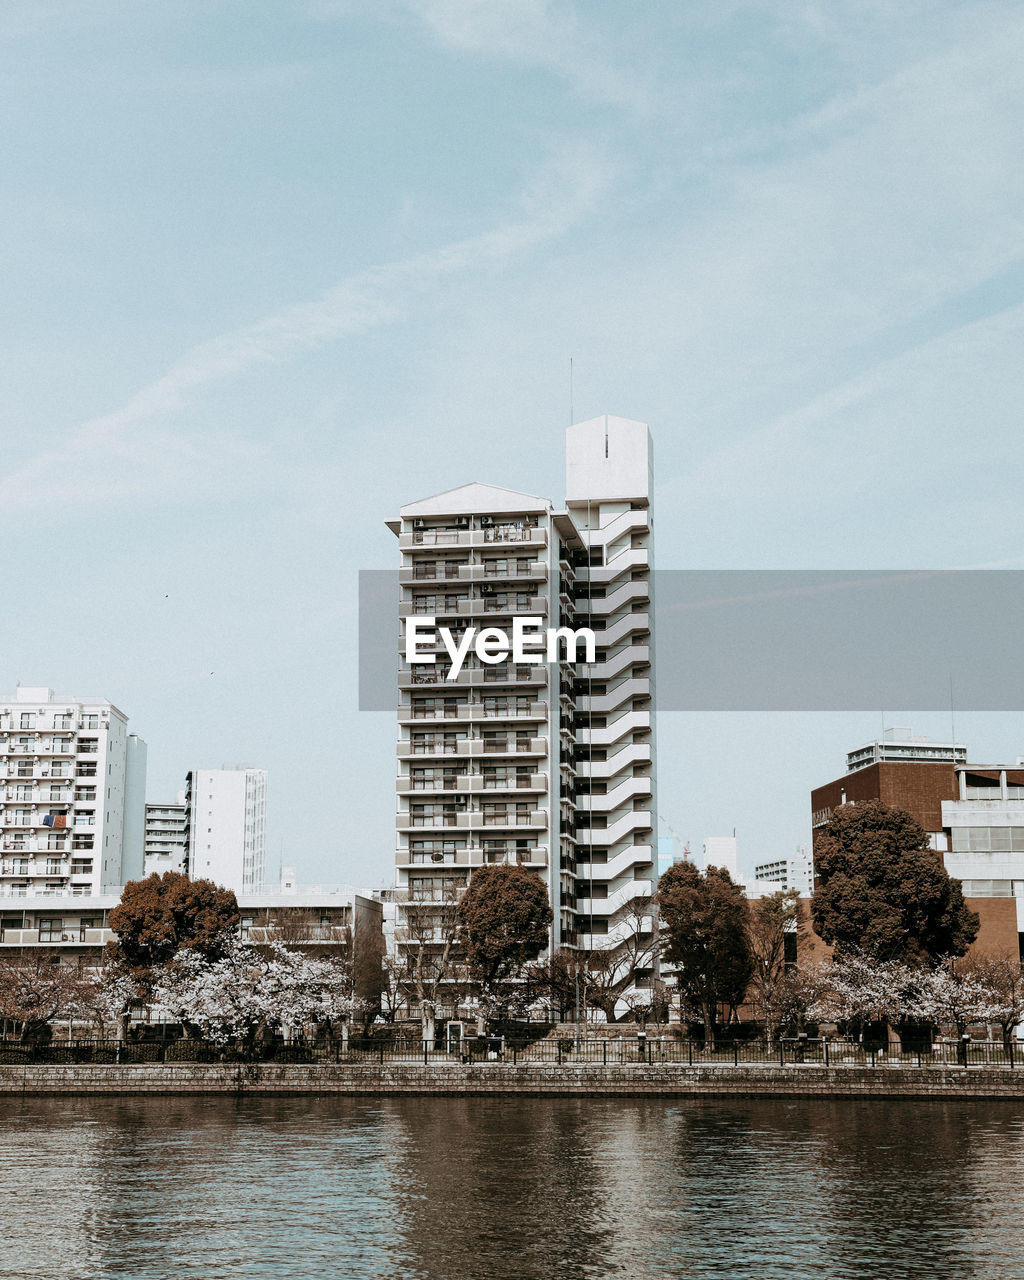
{"x": 133, "y": 845}
{"x": 226, "y": 819}
{"x": 722, "y": 851}
{"x": 165, "y": 838}
{"x": 481, "y": 553}
{"x": 987, "y": 872}
{"x": 50, "y": 766}
{"x": 609, "y": 485}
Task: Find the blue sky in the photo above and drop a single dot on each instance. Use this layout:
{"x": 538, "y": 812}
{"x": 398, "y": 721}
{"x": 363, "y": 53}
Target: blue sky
{"x": 272, "y": 270}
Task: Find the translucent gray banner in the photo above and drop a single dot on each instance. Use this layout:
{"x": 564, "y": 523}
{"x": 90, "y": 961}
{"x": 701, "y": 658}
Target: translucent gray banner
{"x": 794, "y": 640}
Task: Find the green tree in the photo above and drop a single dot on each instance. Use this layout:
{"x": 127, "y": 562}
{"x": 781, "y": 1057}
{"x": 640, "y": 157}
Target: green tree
{"x": 882, "y": 891}
{"x": 161, "y": 914}
{"x": 705, "y": 938}
{"x": 503, "y": 923}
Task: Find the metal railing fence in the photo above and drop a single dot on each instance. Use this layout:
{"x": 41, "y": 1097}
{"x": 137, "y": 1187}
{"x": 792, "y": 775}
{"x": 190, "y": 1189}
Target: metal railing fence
{"x": 607, "y": 1051}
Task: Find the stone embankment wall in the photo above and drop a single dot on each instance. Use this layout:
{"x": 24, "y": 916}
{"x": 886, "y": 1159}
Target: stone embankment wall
{"x": 536, "y": 1079}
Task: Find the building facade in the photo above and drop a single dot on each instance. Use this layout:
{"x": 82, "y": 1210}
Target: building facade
{"x": 166, "y": 848}
{"x": 973, "y": 814}
{"x": 336, "y": 920}
{"x": 73, "y": 784}
{"x": 226, "y": 827}
{"x": 795, "y": 872}
{"x": 547, "y": 765}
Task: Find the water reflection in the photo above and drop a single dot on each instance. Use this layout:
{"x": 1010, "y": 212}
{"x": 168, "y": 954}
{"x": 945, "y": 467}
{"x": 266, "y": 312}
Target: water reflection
{"x": 495, "y": 1188}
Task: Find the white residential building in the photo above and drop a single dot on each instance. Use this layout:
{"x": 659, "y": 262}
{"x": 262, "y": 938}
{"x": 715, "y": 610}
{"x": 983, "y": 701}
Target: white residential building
{"x": 73, "y": 784}
{"x": 225, "y": 827}
{"x": 547, "y": 765}
{"x": 609, "y": 489}
{"x": 794, "y": 872}
{"x": 166, "y": 849}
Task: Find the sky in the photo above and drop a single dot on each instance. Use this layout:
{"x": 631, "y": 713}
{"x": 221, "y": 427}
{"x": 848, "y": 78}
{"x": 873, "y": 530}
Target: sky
{"x": 273, "y": 268}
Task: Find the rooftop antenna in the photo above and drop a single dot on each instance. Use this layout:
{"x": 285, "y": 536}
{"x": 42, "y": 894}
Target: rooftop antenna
{"x": 572, "y": 415}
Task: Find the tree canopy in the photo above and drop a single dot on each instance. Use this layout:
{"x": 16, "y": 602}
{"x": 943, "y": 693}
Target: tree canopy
{"x": 161, "y": 914}
{"x": 883, "y": 891}
{"x": 704, "y": 918}
{"x": 503, "y": 917}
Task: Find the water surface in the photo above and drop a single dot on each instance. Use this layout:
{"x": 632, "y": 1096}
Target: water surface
{"x": 509, "y": 1188}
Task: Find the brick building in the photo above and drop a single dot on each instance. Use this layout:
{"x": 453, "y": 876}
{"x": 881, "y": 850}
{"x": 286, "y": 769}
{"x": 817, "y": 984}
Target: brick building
{"x": 973, "y": 814}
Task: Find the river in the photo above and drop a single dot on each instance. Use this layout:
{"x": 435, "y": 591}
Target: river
{"x": 509, "y": 1188}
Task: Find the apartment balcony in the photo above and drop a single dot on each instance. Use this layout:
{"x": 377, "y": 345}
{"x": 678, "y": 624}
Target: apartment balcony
{"x": 536, "y": 569}
{"x": 76, "y": 936}
{"x": 412, "y": 576}
{"x": 473, "y": 856}
{"x": 434, "y": 676}
{"x": 474, "y": 747}
{"x": 494, "y": 606}
{"x": 445, "y": 824}
{"x": 472, "y": 712}
{"x": 472, "y": 783}
{"x": 510, "y": 533}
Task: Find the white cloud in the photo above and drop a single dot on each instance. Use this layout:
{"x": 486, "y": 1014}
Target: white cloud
{"x": 539, "y": 33}
{"x": 125, "y": 452}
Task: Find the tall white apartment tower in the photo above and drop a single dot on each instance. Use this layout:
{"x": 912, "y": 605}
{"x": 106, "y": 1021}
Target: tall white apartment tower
{"x": 485, "y": 760}
{"x": 73, "y": 784}
{"x": 226, "y": 827}
{"x": 547, "y": 765}
{"x": 609, "y": 486}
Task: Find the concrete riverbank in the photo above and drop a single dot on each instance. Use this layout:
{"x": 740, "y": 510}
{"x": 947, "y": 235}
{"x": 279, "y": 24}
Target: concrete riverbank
{"x": 663, "y": 1080}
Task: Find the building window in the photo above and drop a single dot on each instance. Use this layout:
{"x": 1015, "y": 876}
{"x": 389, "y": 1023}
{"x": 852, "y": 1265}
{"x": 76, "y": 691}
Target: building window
{"x": 53, "y": 866}
{"x": 81, "y": 866}
{"x": 50, "y": 929}
{"x": 55, "y": 842}
{"x": 88, "y": 746}
{"x": 90, "y": 721}
{"x": 28, "y": 720}
{"x": 85, "y": 769}
{"x": 82, "y": 842}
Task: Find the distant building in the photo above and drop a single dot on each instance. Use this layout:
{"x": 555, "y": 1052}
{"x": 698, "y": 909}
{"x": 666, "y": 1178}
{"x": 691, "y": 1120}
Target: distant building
{"x": 794, "y": 872}
{"x": 312, "y": 920}
{"x": 722, "y": 851}
{"x": 670, "y": 851}
{"x": 900, "y": 744}
{"x": 166, "y": 849}
{"x": 226, "y": 827}
{"x": 73, "y": 785}
{"x": 973, "y": 814}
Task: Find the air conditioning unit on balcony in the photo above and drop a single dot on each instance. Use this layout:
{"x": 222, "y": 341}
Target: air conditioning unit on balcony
{"x": 462, "y": 522}
{"x": 486, "y": 521}
{"x": 419, "y": 524}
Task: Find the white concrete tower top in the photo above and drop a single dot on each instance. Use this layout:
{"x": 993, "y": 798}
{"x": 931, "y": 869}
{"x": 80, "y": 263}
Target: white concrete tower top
{"x": 608, "y": 459}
